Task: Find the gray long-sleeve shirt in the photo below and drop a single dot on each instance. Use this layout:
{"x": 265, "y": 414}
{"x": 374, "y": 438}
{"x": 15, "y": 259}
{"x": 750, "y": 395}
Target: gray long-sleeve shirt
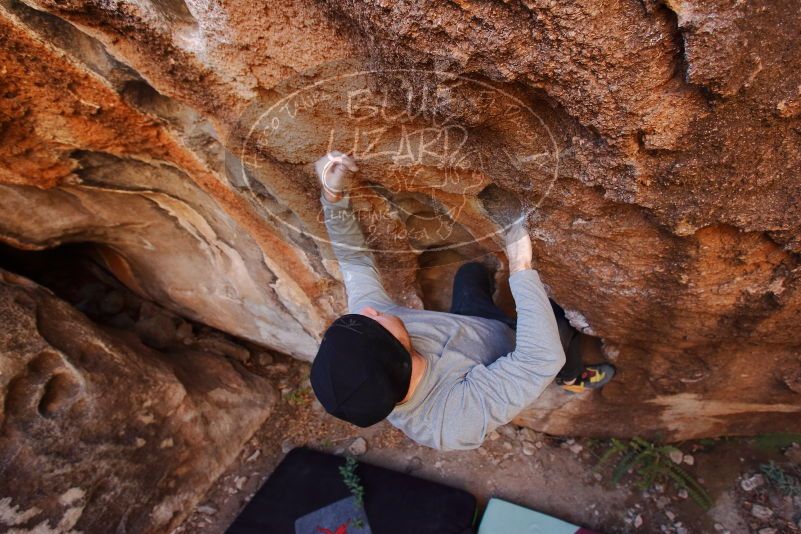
{"x": 478, "y": 376}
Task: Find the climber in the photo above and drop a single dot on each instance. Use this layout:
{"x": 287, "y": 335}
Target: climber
{"x": 445, "y": 379}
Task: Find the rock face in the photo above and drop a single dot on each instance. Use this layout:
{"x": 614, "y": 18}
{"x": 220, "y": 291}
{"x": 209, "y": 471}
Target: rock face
{"x": 655, "y": 149}
{"x": 102, "y": 434}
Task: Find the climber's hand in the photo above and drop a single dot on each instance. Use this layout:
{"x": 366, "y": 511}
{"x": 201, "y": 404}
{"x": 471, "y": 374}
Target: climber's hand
{"x": 518, "y": 247}
{"x": 335, "y": 170}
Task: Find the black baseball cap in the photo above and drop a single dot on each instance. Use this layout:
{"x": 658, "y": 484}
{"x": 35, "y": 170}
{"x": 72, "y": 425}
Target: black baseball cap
{"x": 361, "y": 370}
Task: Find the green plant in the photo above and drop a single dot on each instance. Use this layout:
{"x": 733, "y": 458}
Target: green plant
{"x": 651, "y": 463}
{"x": 352, "y": 480}
{"x": 298, "y": 396}
{"x": 778, "y": 477}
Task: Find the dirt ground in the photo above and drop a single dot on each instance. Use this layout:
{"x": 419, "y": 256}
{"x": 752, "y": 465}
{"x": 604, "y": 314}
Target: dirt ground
{"x": 557, "y": 476}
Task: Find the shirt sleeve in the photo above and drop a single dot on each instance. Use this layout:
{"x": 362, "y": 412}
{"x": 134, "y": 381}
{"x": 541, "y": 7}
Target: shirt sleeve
{"x": 489, "y": 396}
{"x": 362, "y": 280}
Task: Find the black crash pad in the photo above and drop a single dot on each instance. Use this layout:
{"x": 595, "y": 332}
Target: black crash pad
{"x": 395, "y": 503}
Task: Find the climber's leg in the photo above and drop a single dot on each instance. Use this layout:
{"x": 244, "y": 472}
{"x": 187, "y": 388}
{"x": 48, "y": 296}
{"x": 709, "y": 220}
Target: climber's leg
{"x": 567, "y": 335}
{"x": 472, "y": 294}
{"x": 574, "y": 375}
{"x": 573, "y": 365}
{"x": 571, "y": 343}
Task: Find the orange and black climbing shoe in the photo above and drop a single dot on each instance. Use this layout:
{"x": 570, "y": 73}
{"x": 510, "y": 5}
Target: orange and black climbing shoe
{"x": 592, "y": 377}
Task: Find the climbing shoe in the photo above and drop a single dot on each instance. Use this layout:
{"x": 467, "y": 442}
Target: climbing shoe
{"x": 592, "y": 377}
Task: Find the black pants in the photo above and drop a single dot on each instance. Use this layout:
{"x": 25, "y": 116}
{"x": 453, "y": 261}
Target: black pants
{"x": 472, "y": 295}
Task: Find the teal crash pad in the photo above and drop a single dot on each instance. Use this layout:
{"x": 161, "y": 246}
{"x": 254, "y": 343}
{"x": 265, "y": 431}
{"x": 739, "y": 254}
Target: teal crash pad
{"x": 503, "y": 517}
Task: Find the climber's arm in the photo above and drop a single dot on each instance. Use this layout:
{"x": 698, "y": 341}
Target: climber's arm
{"x": 492, "y": 395}
{"x": 362, "y": 280}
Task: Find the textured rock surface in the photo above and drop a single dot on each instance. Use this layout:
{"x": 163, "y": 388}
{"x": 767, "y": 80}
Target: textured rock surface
{"x": 671, "y": 229}
{"x": 102, "y": 434}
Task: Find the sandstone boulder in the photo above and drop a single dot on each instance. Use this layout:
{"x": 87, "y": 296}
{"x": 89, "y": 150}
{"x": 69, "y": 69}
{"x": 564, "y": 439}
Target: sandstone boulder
{"x": 654, "y": 147}
{"x": 101, "y": 433}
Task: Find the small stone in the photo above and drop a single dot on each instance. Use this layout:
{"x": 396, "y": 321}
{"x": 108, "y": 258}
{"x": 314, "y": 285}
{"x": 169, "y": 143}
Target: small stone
{"x": 112, "y": 303}
{"x": 638, "y": 521}
{"x": 761, "y": 512}
{"x": 507, "y": 445}
{"x": 438, "y": 464}
{"x": 529, "y": 449}
{"x": 358, "y": 446}
{"x": 239, "y": 482}
{"x": 670, "y": 515}
{"x": 597, "y": 476}
{"x": 526, "y": 434}
{"x": 662, "y": 501}
{"x": 753, "y": 482}
{"x": 263, "y": 358}
{"x": 539, "y": 444}
{"x": 157, "y": 331}
{"x": 218, "y": 344}
{"x": 494, "y": 435}
{"x": 718, "y": 527}
{"x": 122, "y": 320}
{"x": 575, "y": 448}
{"x": 683, "y": 494}
{"x": 676, "y": 456}
{"x": 688, "y": 459}
{"x": 507, "y": 431}
{"x": 206, "y": 509}
{"x": 278, "y": 368}
{"x": 767, "y": 530}
{"x": 680, "y": 529}
{"x": 184, "y": 333}
{"x": 287, "y": 445}
{"x": 253, "y": 456}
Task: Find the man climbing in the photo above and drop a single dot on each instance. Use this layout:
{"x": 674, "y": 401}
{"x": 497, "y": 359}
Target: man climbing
{"x": 445, "y": 379}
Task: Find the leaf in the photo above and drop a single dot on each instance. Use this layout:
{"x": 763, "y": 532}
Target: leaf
{"x": 624, "y": 466}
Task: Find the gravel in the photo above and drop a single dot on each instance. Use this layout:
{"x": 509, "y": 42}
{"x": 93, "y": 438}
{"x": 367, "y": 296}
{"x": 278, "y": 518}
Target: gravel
{"x": 761, "y": 512}
{"x": 751, "y": 483}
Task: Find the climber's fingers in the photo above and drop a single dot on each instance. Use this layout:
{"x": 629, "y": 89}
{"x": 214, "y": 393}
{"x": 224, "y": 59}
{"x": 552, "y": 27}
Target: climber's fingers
{"x": 518, "y": 247}
{"x": 350, "y": 163}
{"x": 335, "y": 162}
